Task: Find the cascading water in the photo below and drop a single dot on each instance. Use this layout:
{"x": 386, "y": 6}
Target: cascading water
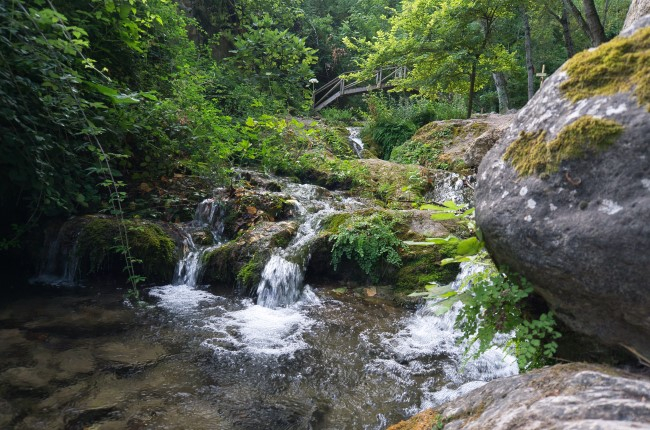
{"x": 450, "y": 186}
{"x": 60, "y": 264}
{"x": 206, "y": 217}
{"x": 312, "y": 359}
{"x": 355, "y": 140}
{"x": 283, "y": 276}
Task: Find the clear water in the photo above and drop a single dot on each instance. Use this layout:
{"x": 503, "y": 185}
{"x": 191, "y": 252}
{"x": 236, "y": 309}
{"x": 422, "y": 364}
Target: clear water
{"x": 196, "y": 359}
{"x": 300, "y": 357}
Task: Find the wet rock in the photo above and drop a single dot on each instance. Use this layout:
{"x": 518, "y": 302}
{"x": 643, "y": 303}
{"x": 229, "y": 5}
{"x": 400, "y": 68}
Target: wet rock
{"x": 564, "y": 197}
{"x": 240, "y": 262}
{"x": 245, "y": 207}
{"x": 63, "y": 396}
{"x": 76, "y": 361}
{"x": 573, "y": 396}
{"x": 6, "y": 413}
{"x": 27, "y": 378}
{"x": 130, "y": 353}
{"x": 85, "y": 319}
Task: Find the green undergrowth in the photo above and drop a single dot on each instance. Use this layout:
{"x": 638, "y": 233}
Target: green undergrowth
{"x": 532, "y": 154}
{"x": 621, "y": 65}
{"x": 426, "y": 147}
{"x": 151, "y": 247}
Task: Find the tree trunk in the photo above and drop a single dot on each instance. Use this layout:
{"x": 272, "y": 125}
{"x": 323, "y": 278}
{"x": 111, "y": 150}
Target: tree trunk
{"x": 581, "y": 21}
{"x": 502, "y": 93}
{"x": 528, "y": 44}
{"x": 593, "y": 20}
{"x": 566, "y": 32}
{"x": 472, "y": 82}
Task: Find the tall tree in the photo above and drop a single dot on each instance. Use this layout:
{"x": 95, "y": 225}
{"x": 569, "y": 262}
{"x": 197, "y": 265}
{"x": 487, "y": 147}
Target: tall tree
{"x": 528, "y": 48}
{"x": 449, "y": 46}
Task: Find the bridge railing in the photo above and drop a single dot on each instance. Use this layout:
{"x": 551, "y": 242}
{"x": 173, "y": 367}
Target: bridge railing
{"x": 338, "y": 87}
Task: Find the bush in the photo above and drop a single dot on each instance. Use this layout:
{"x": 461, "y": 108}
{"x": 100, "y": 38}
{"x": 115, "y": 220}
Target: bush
{"x": 394, "y": 121}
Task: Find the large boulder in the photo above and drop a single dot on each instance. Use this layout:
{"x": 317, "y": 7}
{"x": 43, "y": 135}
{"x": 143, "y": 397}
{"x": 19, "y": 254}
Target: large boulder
{"x": 564, "y": 197}
{"x": 573, "y": 396}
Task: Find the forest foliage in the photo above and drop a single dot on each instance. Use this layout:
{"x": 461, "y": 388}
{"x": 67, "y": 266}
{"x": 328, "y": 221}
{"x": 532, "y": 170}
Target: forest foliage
{"x": 158, "y": 88}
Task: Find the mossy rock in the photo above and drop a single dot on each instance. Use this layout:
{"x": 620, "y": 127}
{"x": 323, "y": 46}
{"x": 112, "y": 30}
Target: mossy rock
{"x": 98, "y": 248}
{"x": 421, "y": 266}
{"x": 451, "y": 145}
{"x": 244, "y": 208}
{"x": 419, "y": 263}
{"x": 239, "y": 263}
{"x": 619, "y": 66}
{"x": 531, "y": 153}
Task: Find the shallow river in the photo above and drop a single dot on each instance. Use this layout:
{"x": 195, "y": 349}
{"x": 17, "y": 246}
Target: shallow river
{"x": 192, "y": 359}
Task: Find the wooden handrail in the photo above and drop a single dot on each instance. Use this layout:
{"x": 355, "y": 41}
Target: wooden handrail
{"x": 338, "y": 87}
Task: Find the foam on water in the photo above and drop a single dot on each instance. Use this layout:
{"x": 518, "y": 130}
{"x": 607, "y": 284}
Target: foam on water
{"x": 182, "y": 298}
{"x": 257, "y": 330}
{"x": 428, "y": 344}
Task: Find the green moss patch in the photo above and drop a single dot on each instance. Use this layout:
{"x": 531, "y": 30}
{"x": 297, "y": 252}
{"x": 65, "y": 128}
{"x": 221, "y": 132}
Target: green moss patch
{"x": 98, "y": 251}
{"x": 531, "y": 154}
{"x": 621, "y": 65}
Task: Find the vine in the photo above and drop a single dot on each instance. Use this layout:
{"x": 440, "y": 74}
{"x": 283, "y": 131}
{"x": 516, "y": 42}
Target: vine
{"x": 71, "y": 44}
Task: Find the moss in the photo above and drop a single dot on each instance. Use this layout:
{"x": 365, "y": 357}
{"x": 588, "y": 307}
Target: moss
{"x": 332, "y": 223}
{"x": 621, "y": 65}
{"x": 532, "y": 154}
{"x": 425, "y": 420}
{"x": 420, "y": 267}
{"x": 98, "y": 250}
{"x": 250, "y": 274}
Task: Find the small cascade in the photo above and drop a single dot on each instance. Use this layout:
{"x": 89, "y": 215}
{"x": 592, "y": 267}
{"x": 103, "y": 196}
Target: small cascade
{"x": 355, "y": 140}
{"x": 208, "y": 216}
{"x": 451, "y": 186}
{"x": 284, "y": 274}
{"x": 428, "y": 338}
{"x": 61, "y": 262}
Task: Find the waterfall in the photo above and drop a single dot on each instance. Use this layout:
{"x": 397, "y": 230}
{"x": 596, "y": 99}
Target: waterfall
{"x": 427, "y": 338}
{"x": 355, "y": 140}
{"x": 208, "y": 216}
{"x": 61, "y": 262}
{"x": 284, "y": 274}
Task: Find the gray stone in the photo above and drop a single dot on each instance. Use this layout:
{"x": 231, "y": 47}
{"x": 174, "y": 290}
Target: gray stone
{"x": 638, "y": 9}
{"x": 582, "y": 234}
{"x": 573, "y": 396}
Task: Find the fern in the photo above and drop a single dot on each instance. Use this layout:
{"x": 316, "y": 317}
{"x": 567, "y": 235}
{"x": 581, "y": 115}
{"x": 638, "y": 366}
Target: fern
{"x": 370, "y": 241}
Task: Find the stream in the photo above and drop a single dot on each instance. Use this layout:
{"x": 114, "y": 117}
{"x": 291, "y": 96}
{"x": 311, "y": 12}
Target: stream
{"x": 295, "y": 357}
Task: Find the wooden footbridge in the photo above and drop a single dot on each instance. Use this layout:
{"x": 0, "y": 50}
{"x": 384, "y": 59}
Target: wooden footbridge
{"x": 338, "y": 87}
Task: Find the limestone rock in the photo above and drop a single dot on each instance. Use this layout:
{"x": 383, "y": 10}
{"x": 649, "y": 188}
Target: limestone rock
{"x": 564, "y": 197}
{"x": 573, "y": 396}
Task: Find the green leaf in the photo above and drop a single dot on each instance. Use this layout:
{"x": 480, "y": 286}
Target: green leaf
{"x": 430, "y": 207}
{"x": 470, "y": 246}
{"x": 441, "y": 216}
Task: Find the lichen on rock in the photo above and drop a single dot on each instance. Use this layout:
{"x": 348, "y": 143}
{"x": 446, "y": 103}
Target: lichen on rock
{"x": 531, "y": 153}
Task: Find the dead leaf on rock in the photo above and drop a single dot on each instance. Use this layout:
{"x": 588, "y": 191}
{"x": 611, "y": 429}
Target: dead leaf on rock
{"x": 370, "y": 292}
